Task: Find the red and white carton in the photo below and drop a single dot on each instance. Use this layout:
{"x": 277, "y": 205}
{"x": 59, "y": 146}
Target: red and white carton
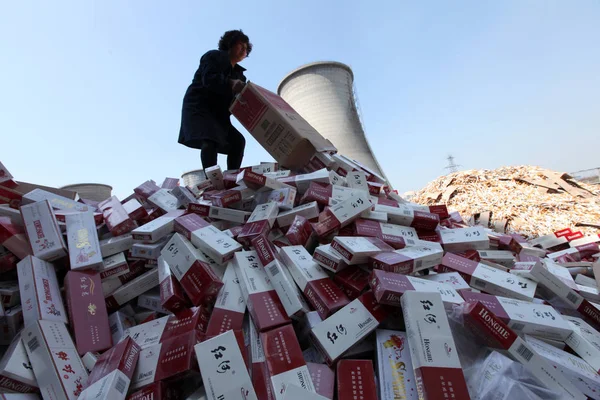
{"x": 188, "y": 223}
{"x": 230, "y": 306}
{"x": 341, "y": 193}
{"x": 172, "y": 296}
{"x": 570, "y": 297}
{"x": 147, "y": 251}
{"x": 353, "y": 281}
{"x": 156, "y": 229}
{"x": 157, "y": 391}
{"x": 525, "y": 317}
{"x": 389, "y": 287}
{"x": 295, "y": 392}
{"x": 496, "y": 334}
{"x": 150, "y": 300}
{"x": 394, "y": 366}
{"x": 449, "y": 278}
{"x": 261, "y": 298}
{"x": 112, "y": 373}
{"x": 342, "y": 214}
{"x": 260, "y": 223}
{"x": 302, "y": 182}
{"x": 56, "y": 201}
{"x": 229, "y": 198}
{"x": 45, "y": 237}
{"x": 82, "y": 238}
{"x": 463, "y": 239}
{"x": 259, "y": 371}
{"x": 132, "y": 289}
{"x": 215, "y": 244}
{"x": 114, "y": 266}
{"x": 284, "y": 286}
{"x": 317, "y": 192}
{"x": 356, "y": 377}
{"x": 580, "y": 373}
{"x": 343, "y": 165}
{"x": 410, "y": 259}
{"x": 585, "y": 341}
{"x": 16, "y": 374}
{"x": 184, "y": 196}
{"x": 196, "y": 276}
{"x": 397, "y": 236}
{"x": 329, "y": 259}
{"x": 440, "y": 209}
{"x": 407, "y": 216}
{"x": 549, "y": 241}
{"x": 338, "y": 333}
{"x": 223, "y": 369}
{"x": 111, "y": 284}
{"x": 322, "y": 294}
{"x": 215, "y": 175}
{"x": 285, "y": 362}
{"x": 57, "y": 367}
{"x": 433, "y": 353}
{"x": 323, "y": 378}
{"x": 357, "y": 250}
{"x": 119, "y": 322}
{"x": 115, "y": 216}
{"x": 264, "y": 212}
{"x": 284, "y": 198}
{"x": 358, "y": 180}
{"x": 115, "y": 245}
{"x": 14, "y": 238}
{"x": 40, "y": 293}
{"x": 161, "y": 329}
{"x": 489, "y": 279}
{"x": 336, "y": 179}
{"x": 300, "y": 233}
{"x": 164, "y": 200}
{"x": 502, "y": 257}
{"x": 87, "y": 311}
{"x": 172, "y": 358}
{"x": 308, "y": 211}
{"x": 135, "y": 210}
{"x": 228, "y": 214}
{"x": 259, "y": 182}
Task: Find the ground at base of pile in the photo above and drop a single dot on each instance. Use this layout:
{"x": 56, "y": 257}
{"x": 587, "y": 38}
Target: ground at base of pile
{"x": 528, "y": 200}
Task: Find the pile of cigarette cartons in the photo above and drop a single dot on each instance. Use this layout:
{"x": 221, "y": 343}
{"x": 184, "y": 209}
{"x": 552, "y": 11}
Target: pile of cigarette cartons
{"x": 279, "y": 284}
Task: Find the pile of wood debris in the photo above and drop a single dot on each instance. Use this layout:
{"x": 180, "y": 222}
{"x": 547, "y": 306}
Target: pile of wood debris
{"x": 528, "y": 200}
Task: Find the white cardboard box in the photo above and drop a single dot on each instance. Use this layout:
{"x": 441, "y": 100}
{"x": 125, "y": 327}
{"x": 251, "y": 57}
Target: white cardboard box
{"x": 156, "y": 229}
{"x": 585, "y": 341}
{"x": 308, "y": 211}
{"x": 449, "y": 278}
{"x": 43, "y": 232}
{"x": 357, "y": 250}
{"x": 230, "y": 306}
{"x": 82, "y": 237}
{"x": 57, "y": 367}
{"x": 580, "y": 373}
{"x": 215, "y": 243}
{"x": 40, "y": 293}
{"x": 433, "y": 352}
{"x": 463, "y": 239}
{"x": 115, "y": 245}
{"x": 16, "y": 373}
{"x": 223, "y": 369}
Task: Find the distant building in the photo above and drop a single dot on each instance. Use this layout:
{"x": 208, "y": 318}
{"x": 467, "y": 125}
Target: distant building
{"x": 591, "y": 176}
{"x": 323, "y": 94}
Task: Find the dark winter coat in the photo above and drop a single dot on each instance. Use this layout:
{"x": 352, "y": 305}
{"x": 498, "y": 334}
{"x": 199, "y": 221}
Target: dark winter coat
{"x": 205, "y": 112}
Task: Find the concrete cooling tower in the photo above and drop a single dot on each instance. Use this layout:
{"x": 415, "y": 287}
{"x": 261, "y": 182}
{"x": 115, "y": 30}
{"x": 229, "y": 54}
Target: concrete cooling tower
{"x": 322, "y": 93}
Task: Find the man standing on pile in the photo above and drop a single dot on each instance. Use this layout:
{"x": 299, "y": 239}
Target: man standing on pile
{"x": 205, "y": 123}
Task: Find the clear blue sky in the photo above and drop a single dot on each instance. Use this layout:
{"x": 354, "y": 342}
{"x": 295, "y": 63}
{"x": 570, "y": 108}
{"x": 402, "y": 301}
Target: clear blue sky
{"x": 91, "y": 90}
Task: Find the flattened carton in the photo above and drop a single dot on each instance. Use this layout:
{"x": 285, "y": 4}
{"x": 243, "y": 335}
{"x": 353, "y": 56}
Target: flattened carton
{"x": 286, "y": 136}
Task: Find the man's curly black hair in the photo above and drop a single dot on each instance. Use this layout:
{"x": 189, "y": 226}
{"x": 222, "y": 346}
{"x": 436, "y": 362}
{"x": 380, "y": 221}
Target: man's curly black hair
{"x": 231, "y": 38}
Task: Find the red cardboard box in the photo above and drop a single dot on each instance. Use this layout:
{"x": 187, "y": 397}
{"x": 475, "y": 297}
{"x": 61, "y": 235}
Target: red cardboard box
{"x": 342, "y": 214}
{"x": 319, "y": 289}
{"x": 328, "y": 258}
{"x": 353, "y": 281}
{"x": 323, "y": 378}
{"x": 112, "y": 373}
{"x": 261, "y": 299}
{"x": 115, "y": 216}
{"x": 157, "y": 391}
{"x": 114, "y": 266}
{"x": 397, "y": 236}
{"x": 317, "y": 192}
{"x": 285, "y": 361}
{"x": 172, "y": 297}
{"x": 300, "y": 232}
{"x": 357, "y": 250}
{"x": 135, "y": 210}
{"x": 196, "y": 277}
{"x": 172, "y": 358}
{"x": 132, "y": 289}
{"x": 87, "y": 311}
{"x": 496, "y": 334}
{"x": 356, "y": 378}
{"x": 230, "y": 306}
{"x": 259, "y": 370}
